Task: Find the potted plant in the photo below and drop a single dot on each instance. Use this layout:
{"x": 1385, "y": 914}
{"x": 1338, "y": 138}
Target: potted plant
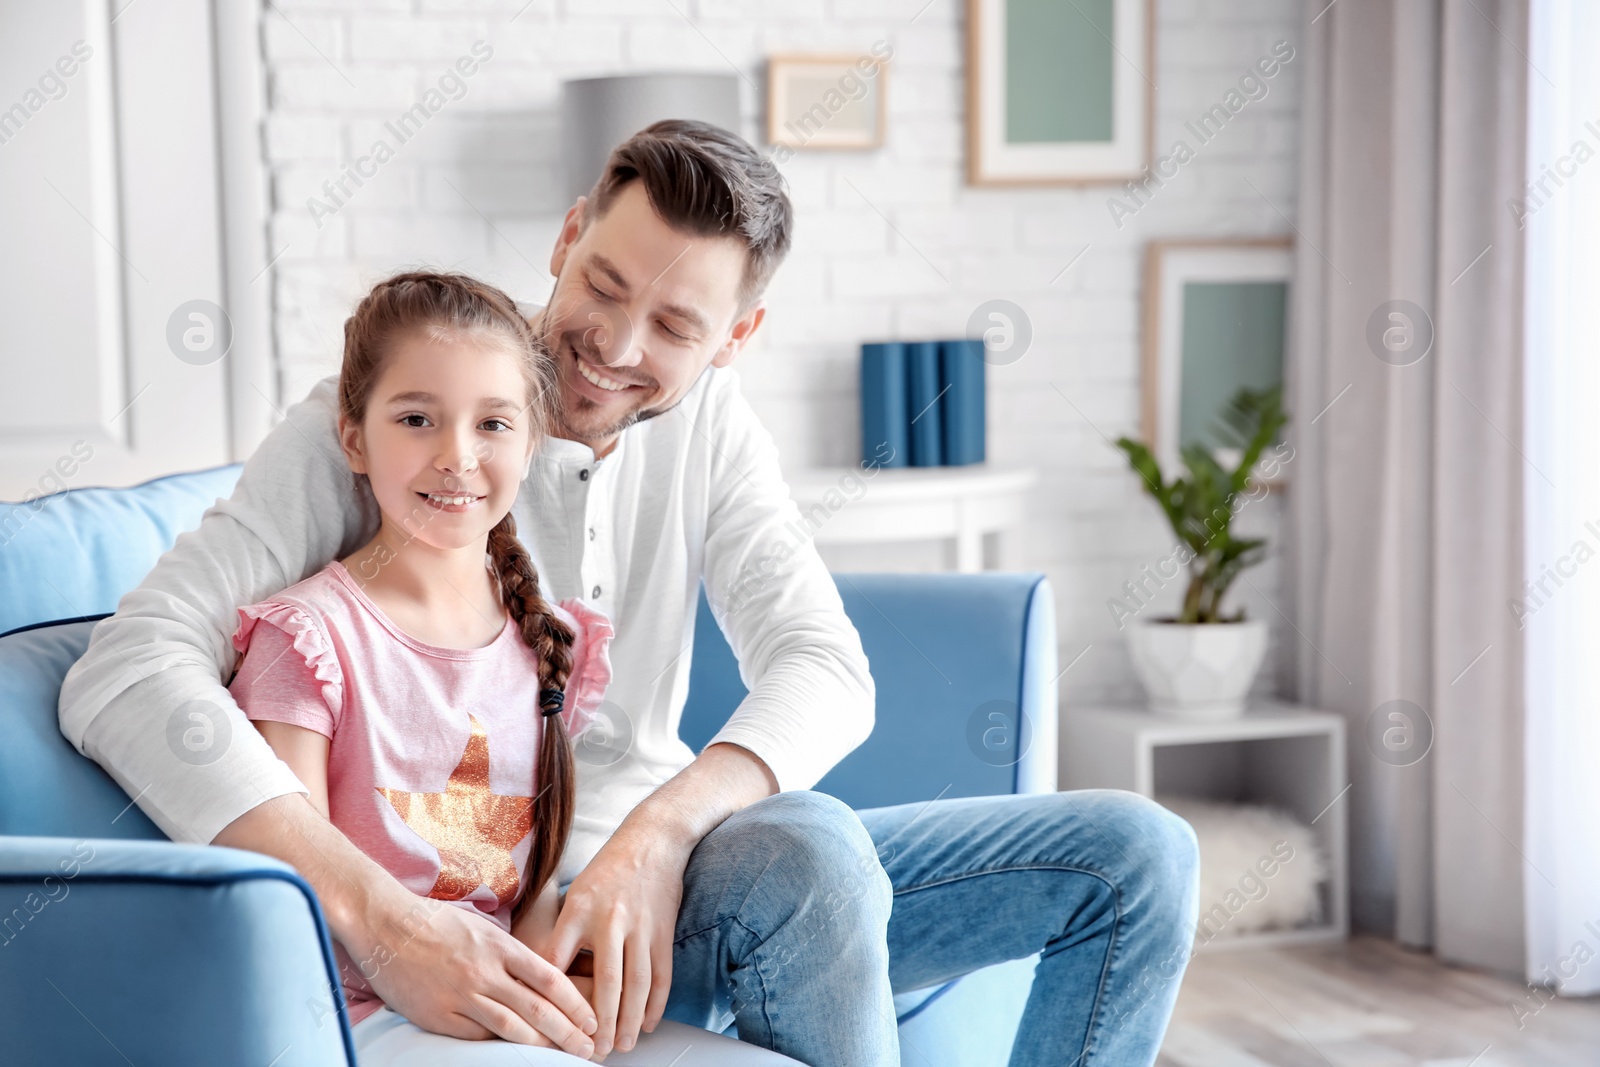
{"x": 1201, "y": 662}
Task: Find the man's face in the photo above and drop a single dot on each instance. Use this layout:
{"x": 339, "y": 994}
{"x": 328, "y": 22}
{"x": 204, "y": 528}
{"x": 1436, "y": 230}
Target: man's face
{"x": 638, "y": 313}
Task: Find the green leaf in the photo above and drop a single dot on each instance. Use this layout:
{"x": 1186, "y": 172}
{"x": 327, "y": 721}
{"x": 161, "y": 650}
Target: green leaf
{"x": 1251, "y": 422}
{"x": 1198, "y": 506}
{"x": 1145, "y": 465}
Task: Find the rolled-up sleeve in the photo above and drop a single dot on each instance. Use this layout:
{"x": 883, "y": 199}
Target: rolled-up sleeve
{"x": 147, "y": 701}
{"x": 811, "y": 698}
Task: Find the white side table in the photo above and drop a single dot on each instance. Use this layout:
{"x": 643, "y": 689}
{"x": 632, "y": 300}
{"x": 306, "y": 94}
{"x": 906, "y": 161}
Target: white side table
{"x": 960, "y": 504}
{"x": 1284, "y": 755}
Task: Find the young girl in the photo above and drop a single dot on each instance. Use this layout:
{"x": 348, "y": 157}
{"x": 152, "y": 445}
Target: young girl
{"x": 422, "y": 688}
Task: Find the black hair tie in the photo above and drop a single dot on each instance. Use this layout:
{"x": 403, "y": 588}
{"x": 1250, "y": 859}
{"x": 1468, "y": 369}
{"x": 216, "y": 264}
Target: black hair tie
{"x": 551, "y": 701}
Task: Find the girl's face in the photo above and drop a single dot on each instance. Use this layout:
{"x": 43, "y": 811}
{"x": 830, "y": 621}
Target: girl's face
{"x": 446, "y": 438}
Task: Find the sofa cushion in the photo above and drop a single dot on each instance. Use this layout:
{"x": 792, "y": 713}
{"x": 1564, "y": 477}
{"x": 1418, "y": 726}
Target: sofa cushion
{"x": 73, "y": 554}
{"x": 46, "y": 788}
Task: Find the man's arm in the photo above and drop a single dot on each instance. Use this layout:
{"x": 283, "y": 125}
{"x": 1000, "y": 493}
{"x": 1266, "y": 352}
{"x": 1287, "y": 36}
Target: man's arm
{"x": 811, "y": 697}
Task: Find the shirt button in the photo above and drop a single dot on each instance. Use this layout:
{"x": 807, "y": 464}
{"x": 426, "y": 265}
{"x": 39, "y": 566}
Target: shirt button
{"x": 583, "y": 475}
{"x": 596, "y": 595}
{"x": 591, "y": 533}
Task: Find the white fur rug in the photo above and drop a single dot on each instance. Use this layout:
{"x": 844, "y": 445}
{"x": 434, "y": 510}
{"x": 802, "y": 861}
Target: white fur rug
{"x": 1259, "y": 867}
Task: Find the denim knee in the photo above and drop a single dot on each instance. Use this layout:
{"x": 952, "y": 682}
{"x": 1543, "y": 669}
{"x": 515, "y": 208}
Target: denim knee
{"x": 810, "y": 930}
{"x": 1157, "y": 849}
{"x": 820, "y": 855}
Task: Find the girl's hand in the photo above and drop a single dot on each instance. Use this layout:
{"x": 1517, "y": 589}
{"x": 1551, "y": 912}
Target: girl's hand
{"x": 537, "y": 919}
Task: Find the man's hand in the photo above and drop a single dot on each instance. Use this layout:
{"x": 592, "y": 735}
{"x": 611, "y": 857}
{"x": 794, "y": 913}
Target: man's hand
{"x": 443, "y": 969}
{"x": 623, "y": 907}
{"x": 453, "y": 973}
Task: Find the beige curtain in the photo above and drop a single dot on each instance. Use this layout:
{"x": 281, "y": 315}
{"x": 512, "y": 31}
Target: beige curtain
{"x": 1406, "y": 504}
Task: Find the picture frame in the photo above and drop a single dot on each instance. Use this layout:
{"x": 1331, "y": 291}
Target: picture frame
{"x": 1215, "y": 319}
{"x": 813, "y": 101}
{"x": 1053, "y": 97}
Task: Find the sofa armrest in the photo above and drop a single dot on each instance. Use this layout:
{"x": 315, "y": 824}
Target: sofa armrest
{"x": 121, "y": 951}
{"x": 1040, "y": 700}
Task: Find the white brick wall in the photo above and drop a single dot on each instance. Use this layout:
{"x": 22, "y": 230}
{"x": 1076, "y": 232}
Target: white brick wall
{"x": 889, "y": 243}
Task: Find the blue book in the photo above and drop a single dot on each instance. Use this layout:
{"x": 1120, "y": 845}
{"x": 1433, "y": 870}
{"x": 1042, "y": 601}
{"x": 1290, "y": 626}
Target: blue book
{"x": 961, "y": 378}
{"x": 884, "y": 421}
{"x": 925, "y": 403}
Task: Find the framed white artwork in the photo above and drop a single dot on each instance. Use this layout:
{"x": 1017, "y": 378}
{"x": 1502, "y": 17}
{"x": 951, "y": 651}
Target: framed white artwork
{"x": 827, "y": 101}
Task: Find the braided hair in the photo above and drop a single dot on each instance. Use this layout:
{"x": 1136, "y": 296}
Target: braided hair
{"x": 552, "y": 639}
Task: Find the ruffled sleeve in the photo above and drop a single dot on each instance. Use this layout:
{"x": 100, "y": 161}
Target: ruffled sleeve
{"x": 591, "y": 662}
{"x": 289, "y": 671}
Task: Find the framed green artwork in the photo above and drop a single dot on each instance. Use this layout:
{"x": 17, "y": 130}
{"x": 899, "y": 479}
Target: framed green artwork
{"x": 1059, "y": 92}
{"x": 1216, "y": 316}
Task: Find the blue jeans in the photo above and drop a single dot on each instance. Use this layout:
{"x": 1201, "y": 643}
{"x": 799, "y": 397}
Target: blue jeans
{"x": 801, "y": 918}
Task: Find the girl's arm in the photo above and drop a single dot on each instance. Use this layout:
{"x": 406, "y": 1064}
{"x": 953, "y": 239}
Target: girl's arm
{"x": 306, "y": 753}
{"x": 533, "y": 928}
{"x": 538, "y": 919}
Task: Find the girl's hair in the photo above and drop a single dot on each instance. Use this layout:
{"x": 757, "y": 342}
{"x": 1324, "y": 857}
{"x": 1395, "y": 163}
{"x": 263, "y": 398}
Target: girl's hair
{"x": 455, "y": 306}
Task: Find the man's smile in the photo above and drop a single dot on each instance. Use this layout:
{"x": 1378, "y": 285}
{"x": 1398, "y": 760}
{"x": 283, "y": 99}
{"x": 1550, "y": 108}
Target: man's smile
{"x": 599, "y": 384}
{"x": 593, "y": 377}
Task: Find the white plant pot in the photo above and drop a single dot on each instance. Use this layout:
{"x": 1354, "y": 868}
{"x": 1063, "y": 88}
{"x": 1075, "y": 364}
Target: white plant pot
{"x": 1198, "y": 671}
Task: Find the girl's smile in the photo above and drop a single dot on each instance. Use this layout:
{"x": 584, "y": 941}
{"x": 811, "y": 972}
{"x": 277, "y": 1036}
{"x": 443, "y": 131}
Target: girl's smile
{"x": 451, "y": 502}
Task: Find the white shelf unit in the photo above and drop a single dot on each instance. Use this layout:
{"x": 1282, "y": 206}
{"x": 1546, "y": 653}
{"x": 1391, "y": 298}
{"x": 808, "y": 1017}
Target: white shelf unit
{"x": 967, "y": 506}
{"x": 1283, "y": 755}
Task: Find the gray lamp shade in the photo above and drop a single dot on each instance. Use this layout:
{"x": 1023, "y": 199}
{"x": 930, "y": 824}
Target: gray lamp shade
{"x": 597, "y": 114}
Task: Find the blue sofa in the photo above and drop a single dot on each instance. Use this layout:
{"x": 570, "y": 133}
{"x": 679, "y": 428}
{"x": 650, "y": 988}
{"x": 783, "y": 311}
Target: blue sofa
{"x": 117, "y": 945}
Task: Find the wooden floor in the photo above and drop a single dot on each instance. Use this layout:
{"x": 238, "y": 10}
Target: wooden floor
{"x": 1366, "y": 1003}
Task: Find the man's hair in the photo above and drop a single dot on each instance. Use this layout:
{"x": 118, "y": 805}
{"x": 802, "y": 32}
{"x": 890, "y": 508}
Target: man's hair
{"x": 708, "y": 182}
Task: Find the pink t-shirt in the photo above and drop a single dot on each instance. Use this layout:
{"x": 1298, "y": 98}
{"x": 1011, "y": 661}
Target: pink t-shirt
{"x": 433, "y": 751}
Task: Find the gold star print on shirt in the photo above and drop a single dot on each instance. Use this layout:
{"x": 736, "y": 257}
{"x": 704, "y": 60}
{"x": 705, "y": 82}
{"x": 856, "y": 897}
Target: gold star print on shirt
{"x": 473, "y": 829}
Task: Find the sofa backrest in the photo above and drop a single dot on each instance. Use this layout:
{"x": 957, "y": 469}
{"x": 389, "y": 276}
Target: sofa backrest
{"x": 965, "y": 671}
{"x": 74, "y": 553}
{"x": 71, "y": 556}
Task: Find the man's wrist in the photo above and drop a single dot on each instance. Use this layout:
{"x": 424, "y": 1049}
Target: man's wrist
{"x": 382, "y": 915}
{"x": 364, "y": 904}
{"x": 660, "y": 829}
{"x": 722, "y": 779}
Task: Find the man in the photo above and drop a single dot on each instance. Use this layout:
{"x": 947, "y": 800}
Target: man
{"x": 701, "y": 885}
